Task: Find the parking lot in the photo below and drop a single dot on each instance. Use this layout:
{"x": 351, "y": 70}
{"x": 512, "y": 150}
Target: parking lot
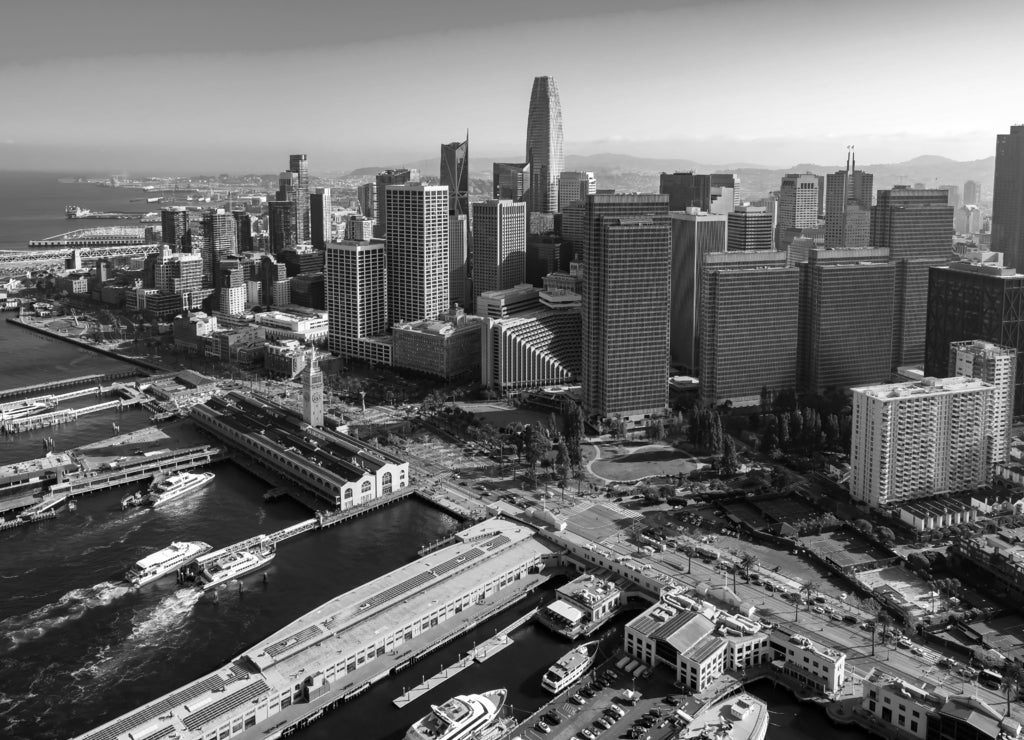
{"x": 606, "y": 713}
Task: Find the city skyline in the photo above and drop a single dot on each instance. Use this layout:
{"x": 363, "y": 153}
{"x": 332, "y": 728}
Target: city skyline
{"x": 118, "y": 49}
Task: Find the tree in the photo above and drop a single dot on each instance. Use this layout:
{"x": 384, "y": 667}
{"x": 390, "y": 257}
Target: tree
{"x": 536, "y": 447}
{"x": 748, "y": 561}
{"x": 809, "y": 590}
{"x": 885, "y": 535}
{"x": 573, "y": 433}
{"x": 716, "y": 441}
{"x": 770, "y": 437}
{"x": 730, "y": 461}
{"x": 863, "y": 526}
{"x": 1013, "y": 678}
{"x": 784, "y": 433}
{"x": 562, "y": 464}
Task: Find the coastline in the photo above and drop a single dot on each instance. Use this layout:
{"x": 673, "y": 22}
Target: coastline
{"x": 144, "y": 364}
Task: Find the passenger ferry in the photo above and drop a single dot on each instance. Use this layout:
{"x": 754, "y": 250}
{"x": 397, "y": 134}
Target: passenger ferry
{"x": 459, "y": 718}
{"x": 164, "y": 561}
{"x": 175, "y": 486}
{"x": 231, "y": 565}
{"x": 569, "y": 668}
{"x": 28, "y": 407}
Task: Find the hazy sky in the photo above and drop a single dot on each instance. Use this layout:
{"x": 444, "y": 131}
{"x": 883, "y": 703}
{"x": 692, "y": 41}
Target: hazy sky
{"x": 236, "y": 85}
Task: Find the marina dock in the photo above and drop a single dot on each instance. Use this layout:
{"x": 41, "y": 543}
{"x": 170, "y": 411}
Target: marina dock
{"x": 64, "y": 416}
{"x": 81, "y": 482}
{"x": 478, "y": 654}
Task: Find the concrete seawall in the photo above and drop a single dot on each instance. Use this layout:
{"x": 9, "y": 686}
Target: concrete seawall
{"x": 153, "y": 367}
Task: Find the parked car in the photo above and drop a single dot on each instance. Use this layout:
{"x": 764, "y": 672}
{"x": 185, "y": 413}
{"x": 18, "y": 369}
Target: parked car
{"x": 543, "y": 726}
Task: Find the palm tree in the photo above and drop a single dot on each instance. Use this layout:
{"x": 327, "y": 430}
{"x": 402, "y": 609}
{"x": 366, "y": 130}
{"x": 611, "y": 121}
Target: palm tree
{"x": 1013, "y": 678}
{"x": 748, "y": 561}
{"x": 809, "y": 590}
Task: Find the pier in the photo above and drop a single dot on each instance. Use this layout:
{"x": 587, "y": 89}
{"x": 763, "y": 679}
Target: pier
{"x": 76, "y": 484}
{"x": 42, "y": 389}
{"x": 63, "y": 416}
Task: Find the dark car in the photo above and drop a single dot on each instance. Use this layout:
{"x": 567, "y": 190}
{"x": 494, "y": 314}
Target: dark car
{"x": 552, "y": 719}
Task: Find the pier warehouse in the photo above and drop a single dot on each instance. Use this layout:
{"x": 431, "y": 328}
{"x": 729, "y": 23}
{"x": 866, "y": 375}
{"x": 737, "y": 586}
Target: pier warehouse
{"x": 337, "y": 468}
{"x": 339, "y": 649}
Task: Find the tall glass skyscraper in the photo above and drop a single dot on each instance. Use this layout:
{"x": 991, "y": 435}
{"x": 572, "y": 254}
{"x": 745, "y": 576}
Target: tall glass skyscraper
{"x": 1008, "y": 198}
{"x": 544, "y": 145}
{"x": 455, "y": 174}
{"x": 297, "y": 164}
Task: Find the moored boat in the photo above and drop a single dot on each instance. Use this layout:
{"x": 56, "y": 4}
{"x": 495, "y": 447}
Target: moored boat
{"x": 460, "y": 718}
{"x": 162, "y": 562}
{"x": 217, "y": 569}
{"x": 570, "y": 667}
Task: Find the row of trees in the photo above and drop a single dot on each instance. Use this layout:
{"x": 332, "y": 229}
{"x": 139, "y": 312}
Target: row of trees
{"x": 803, "y": 431}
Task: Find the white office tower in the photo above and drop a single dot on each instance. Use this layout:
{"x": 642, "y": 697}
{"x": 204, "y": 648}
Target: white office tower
{"x": 417, "y": 252}
{"x": 355, "y": 291}
{"x": 918, "y": 439}
{"x": 996, "y": 365}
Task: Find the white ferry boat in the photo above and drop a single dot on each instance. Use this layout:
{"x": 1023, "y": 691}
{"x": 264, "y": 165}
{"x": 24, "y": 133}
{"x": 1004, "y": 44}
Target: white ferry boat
{"x": 164, "y": 561}
{"x": 223, "y": 568}
{"x": 175, "y": 486}
{"x": 569, "y": 668}
{"x": 459, "y": 718}
{"x": 28, "y": 407}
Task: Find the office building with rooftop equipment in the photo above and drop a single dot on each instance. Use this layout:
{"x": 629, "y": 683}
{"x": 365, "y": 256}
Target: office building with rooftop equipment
{"x": 1008, "y": 198}
{"x": 976, "y": 298}
{"x": 417, "y": 252}
{"x": 916, "y": 226}
{"x": 384, "y": 179}
{"x": 694, "y": 234}
{"x": 848, "y": 196}
{"x": 499, "y": 245}
{"x": 627, "y": 261}
{"x": 446, "y": 347}
{"x": 749, "y": 229}
{"x": 500, "y": 304}
{"x": 340, "y": 470}
{"x": 575, "y": 186}
{"x": 748, "y": 326}
{"x": 846, "y": 318}
{"x": 345, "y": 645}
{"x": 921, "y": 438}
{"x": 798, "y": 207}
{"x": 356, "y": 292}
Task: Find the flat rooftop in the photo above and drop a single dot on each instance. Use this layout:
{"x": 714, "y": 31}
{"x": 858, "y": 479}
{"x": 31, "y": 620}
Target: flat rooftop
{"x": 925, "y": 387}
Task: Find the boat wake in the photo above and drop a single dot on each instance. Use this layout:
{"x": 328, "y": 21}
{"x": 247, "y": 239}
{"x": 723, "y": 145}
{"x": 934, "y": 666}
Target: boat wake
{"x": 24, "y": 628}
{"x": 169, "y": 613}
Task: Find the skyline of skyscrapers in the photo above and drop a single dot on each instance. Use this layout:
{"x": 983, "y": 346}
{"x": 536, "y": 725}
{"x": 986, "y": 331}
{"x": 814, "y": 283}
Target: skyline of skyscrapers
{"x": 320, "y": 219}
{"x": 545, "y": 146}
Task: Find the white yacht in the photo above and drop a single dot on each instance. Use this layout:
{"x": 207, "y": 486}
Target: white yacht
{"x": 223, "y": 568}
{"x": 569, "y": 668}
{"x": 164, "y": 561}
{"x": 175, "y": 486}
{"x": 459, "y": 718}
